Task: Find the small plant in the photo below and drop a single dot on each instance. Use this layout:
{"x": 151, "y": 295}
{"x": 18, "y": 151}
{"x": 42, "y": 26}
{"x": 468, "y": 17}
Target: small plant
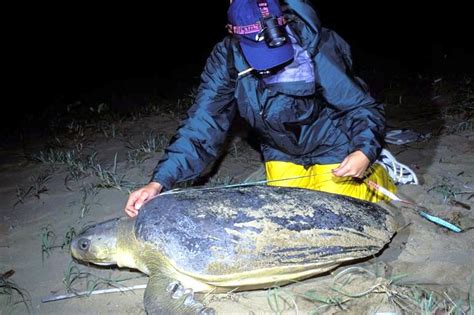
{"x": 11, "y": 295}
{"x": 183, "y": 104}
{"x": 356, "y": 282}
{"x": 325, "y": 301}
{"x": 21, "y": 194}
{"x": 68, "y": 237}
{"x": 75, "y": 276}
{"x": 136, "y": 158}
{"x": 76, "y": 128}
{"x": 51, "y": 156}
{"x": 109, "y": 131}
{"x": 71, "y": 275}
{"x": 234, "y": 150}
{"x": 48, "y": 238}
{"x": 71, "y": 159}
{"x": 281, "y": 301}
{"x": 152, "y": 143}
{"x": 77, "y": 167}
{"x": 461, "y": 127}
{"x": 89, "y": 192}
{"x": 461, "y": 95}
{"x": 37, "y": 187}
{"x": 446, "y": 189}
{"x": 110, "y": 178}
{"x": 39, "y": 184}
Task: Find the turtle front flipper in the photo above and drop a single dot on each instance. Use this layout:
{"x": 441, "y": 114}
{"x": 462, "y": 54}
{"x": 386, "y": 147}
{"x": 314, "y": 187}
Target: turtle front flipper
{"x": 166, "y": 296}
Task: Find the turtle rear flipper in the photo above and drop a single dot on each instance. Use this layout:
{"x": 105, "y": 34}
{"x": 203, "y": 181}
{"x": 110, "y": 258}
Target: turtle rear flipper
{"x": 163, "y": 295}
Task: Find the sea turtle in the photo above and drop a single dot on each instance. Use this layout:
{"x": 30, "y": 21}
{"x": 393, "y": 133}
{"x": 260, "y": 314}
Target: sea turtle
{"x": 218, "y": 240}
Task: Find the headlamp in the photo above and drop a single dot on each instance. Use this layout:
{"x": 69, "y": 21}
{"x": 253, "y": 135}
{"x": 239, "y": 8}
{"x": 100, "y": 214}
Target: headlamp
{"x": 272, "y": 32}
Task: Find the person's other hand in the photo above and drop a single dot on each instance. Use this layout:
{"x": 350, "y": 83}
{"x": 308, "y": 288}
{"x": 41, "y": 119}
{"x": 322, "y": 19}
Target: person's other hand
{"x": 139, "y": 196}
{"x": 354, "y": 165}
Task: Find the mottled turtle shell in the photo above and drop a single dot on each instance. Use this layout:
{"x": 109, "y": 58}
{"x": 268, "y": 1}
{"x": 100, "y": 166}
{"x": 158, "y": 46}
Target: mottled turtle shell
{"x": 219, "y": 232}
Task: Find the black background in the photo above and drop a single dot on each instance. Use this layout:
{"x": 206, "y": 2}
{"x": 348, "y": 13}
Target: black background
{"x": 64, "y": 52}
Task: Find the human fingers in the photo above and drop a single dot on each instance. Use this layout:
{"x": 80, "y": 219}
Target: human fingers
{"x": 131, "y": 213}
{"x": 130, "y": 206}
{"x": 342, "y": 168}
{"x": 141, "y": 199}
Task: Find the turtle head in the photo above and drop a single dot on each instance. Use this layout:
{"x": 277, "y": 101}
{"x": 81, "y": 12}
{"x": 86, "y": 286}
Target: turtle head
{"x": 97, "y": 244}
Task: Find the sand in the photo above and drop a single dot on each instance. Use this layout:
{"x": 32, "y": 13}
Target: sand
{"x": 32, "y": 210}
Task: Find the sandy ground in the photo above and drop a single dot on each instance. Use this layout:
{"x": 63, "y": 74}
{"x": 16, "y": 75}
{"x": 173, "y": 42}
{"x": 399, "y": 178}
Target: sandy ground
{"x": 42, "y": 201}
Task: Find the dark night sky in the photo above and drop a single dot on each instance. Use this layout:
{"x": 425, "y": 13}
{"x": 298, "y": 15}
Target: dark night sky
{"x": 73, "y": 50}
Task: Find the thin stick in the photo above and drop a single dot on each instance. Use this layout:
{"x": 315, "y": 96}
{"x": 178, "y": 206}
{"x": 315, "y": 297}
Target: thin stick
{"x": 256, "y": 183}
{"x": 418, "y": 208}
{"x": 52, "y": 298}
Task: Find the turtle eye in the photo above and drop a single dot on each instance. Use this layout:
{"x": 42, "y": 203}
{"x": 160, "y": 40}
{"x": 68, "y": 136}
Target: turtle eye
{"x": 84, "y": 244}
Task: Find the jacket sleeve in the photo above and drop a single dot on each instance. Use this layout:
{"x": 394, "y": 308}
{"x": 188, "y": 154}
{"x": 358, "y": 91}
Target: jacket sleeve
{"x": 200, "y": 136}
{"x": 362, "y": 116}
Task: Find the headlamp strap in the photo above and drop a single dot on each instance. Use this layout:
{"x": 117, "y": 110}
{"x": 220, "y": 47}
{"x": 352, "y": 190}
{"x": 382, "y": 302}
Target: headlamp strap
{"x": 252, "y": 28}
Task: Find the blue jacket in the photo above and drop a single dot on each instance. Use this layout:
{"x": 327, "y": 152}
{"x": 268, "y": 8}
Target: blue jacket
{"x": 319, "y": 123}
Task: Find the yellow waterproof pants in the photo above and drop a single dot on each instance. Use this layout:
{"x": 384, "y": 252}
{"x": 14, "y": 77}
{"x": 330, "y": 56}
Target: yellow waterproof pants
{"x": 320, "y": 177}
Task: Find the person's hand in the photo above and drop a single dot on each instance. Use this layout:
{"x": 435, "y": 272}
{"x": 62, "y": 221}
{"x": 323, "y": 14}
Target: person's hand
{"x": 139, "y": 196}
{"x": 354, "y": 165}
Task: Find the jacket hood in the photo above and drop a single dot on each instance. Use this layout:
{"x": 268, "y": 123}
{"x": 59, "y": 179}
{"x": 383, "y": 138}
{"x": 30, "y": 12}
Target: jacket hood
{"x": 310, "y": 30}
